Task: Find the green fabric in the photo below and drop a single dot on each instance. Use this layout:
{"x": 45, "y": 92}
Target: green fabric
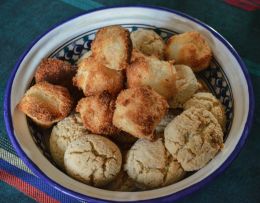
{"x": 7, "y": 193}
{"x": 22, "y": 21}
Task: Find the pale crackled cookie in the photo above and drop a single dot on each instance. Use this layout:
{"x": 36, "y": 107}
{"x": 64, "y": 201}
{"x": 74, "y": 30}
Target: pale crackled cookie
{"x": 62, "y": 134}
{"x": 148, "y": 42}
{"x": 93, "y": 159}
{"x": 194, "y": 138}
{"x": 151, "y": 166}
{"x": 209, "y": 102}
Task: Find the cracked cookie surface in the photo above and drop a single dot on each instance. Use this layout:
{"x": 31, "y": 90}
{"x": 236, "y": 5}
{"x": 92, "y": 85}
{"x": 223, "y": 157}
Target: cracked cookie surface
{"x": 62, "y": 134}
{"x": 194, "y": 138}
{"x": 151, "y": 166}
{"x": 209, "y": 102}
{"x": 93, "y": 159}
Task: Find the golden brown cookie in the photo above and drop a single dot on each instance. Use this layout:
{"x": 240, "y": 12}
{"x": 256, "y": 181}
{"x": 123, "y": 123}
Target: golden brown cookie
{"x": 55, "y": 71}
{"x": 189, "y": 48}
{"x": 138, "y": 111}
{"x": 46, "y": 104}
{"x": 97, "y": 113}
{"x": 112, "y": 47}
{"x": 148, "y": 42}
{"x": 152, "y": 72}
{"x": 94, "y": 78}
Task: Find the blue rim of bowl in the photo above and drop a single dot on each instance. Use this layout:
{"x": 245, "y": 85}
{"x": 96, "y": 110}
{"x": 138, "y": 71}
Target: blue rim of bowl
{"x": 172, "y": 197}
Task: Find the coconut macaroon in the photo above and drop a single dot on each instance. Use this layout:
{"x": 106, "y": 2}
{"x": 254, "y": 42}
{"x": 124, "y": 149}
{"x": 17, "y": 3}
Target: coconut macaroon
{"x": 189, "y": 48}
{"x": 46, "y": 104}
{"x": 93, "y": 159}
{"x": 148, "y": 42}
{"x": 62, "y": 134}
{"x": 150, "y": 71}
{"x": 193, "y": 138}
{"x": 55, "y": 71}
{"x": 112, "y": 46}
{"x": 84, "y": 56}
{"x": 97, "y": 113}
{"x": 209, "y": 102}
{"x": 94, "y": 78}
{"x": 186, "y": 86}
{"x": 138, "y": 111}
{"x": 150, "y": 165}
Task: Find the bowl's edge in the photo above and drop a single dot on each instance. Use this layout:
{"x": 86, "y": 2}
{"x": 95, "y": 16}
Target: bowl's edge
{"x": 172, "y": 197}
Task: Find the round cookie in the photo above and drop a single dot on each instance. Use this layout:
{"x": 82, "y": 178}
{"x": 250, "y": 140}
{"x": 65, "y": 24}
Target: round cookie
{"x": 193, "y": 138}
{"x": 148, "y": 42}
{"x": 151, "y": 166}
{"x": 209, "y": 102}
{"x": 62, "y": 134}
{"x": 186, "y": 86}
{"x": 93, "y": 159}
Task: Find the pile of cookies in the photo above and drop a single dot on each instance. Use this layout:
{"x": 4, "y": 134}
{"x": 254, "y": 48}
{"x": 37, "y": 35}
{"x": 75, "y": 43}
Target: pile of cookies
{"x": 132, "y": 115}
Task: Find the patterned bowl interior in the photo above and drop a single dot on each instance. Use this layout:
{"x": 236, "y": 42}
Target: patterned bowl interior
{"x": 214, "y": 77}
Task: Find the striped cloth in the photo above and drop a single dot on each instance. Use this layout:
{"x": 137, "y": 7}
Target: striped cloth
{"x": 22, "y": 21}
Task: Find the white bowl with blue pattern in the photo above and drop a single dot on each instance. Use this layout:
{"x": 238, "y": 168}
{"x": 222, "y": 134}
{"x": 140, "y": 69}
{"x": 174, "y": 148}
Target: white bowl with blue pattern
{"x": 227, "y": 78}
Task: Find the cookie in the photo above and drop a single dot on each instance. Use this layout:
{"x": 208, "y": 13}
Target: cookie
{"x": 63, "y": 134}
{"x": 186, "y": 86}
{"x": 151, "y": 166}
{"x": 46, "y": 103}
{"x": 193, "y": 138}
{"x": 112, "y": 47}
{"x": 93, "y": 159}
{"x": 189, "y": 48}
{"x": 138, "y": 111}
{"x": 97, "y": 113}
{"x": 153, "y": 72}
{"x": 93, "y": 78}
{"x": 148, "y": 42}
{"x": 209, "y": 102}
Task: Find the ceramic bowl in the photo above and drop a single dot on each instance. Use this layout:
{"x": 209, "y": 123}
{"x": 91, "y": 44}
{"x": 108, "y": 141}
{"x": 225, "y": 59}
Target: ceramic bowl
{"x": 227, "y": 78}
